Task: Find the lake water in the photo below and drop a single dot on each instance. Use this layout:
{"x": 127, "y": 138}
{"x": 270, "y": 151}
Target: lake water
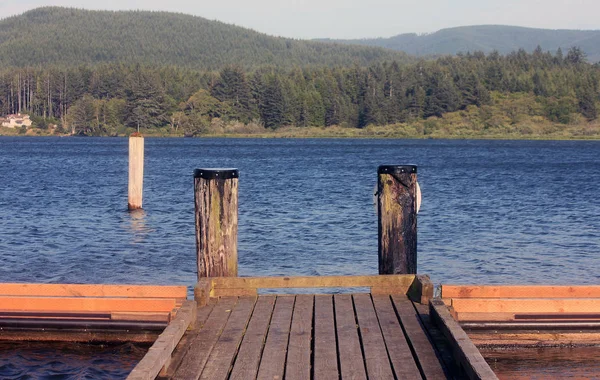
{"x": 497, "y": 212}
{"x": 493, "y": 211}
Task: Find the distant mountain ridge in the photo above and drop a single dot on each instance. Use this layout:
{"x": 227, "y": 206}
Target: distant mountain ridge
{"x": 487, "y": 38}
{"x": 70, "y": 37}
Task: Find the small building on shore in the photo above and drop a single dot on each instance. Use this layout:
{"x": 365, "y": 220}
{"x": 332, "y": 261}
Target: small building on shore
{"x": 16, "y": 120}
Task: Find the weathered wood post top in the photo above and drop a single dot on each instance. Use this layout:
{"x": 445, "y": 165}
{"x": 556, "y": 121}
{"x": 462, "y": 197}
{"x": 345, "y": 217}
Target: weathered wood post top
{"x": 397, "y": 225}
{"x": 216, "y": 200}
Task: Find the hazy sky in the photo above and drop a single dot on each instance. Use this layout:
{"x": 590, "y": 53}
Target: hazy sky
{"x": 352, "y": 18}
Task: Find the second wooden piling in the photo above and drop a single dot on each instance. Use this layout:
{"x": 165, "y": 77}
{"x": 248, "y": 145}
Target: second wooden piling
{"x": 216, "y": 198}
{"x": 136, "y": 172}
{"x": 397, "y": 209}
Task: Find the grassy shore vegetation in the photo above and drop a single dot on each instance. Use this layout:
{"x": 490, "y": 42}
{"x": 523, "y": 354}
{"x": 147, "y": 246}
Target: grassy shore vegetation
{"x": 520, "y": 95}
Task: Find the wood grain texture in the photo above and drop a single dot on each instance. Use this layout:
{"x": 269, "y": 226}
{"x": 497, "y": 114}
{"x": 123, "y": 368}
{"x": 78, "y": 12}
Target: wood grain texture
{"x": 216, "y": 203}
{"x": 534, "y": 338}
{"x": 352, "y": 364}
{"x": 202, "y": 291}
{"x": 469, "y": 356}
{"x": 428, "y": 360}
{"x": 398, "y": 284}
{"x": 87, "y": 336}
{"x": 202, "y": 314}
{"x": 160, "y": 352}
{"x": 397, "y": 226}
{"x": 421, "y": 289}
{"x": 398, "y": 349}
{"x": 136, "y": 173}
{"x": 84, "y": 290}
{"x": 250, "y": 352}
{"x": 375, "y": 353}
{"x": 225, "y": 350}
{"x": 440, "y": 343}
{"x": 526, "y": 305}
{"x": 272, "y": 364}
{"x": 86, "y": 304}
{"x": 202, "y": 344}
{"x": 520, "y": 291}
{"x": 325, "y": 342}
{"x": 299, "y": 348}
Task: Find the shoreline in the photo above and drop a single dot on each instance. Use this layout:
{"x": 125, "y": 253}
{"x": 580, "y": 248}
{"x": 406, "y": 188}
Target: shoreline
{"x": 328, "y": 137}
{"x": 555, "y": 133}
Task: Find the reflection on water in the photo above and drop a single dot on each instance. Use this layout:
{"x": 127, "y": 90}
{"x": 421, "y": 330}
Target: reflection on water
{"x": 137, "y": 226}
{"x": 545, "y": 363}
{"x": 33, "y": 360}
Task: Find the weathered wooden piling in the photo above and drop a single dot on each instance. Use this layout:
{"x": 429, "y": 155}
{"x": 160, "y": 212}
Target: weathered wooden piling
{"x": 216, "y": 198}
{"x": 136, "y": 172}
{"x": 397, "y": 210}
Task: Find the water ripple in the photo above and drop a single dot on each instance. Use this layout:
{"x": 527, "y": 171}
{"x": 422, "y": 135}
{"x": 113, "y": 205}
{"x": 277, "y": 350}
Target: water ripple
{"x": 493, "y": 211}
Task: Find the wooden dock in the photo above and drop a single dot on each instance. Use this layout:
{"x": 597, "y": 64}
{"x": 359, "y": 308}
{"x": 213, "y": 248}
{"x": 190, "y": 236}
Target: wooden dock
{"x": 526, "y": 315}
{"x": 381, "y": 333}
{"x": 89, "y": 313}
{"x": 369, "y": 327}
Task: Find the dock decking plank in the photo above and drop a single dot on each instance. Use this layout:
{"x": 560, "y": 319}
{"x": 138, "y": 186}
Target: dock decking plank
{"x": 202, "y": 344}
{"x": 398, "y": 349}
{"x": 325, "y": 344}
{"x": 439, "y": 341}
{"x": 272, "y": 364}
{"x": 202, "y": 315}
{"x": 225, "y": 350}
{"x": 361, "y": 336}
{"x": 352, "y": 364}
{"x": 375, "y": 352}
{"x": 429, "y": 363}
{"x": 299, "y": 347}
{"x": 250, "y": 352}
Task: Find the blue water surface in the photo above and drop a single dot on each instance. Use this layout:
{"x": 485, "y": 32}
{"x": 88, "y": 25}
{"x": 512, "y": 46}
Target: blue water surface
{"x": 496, "y": 212}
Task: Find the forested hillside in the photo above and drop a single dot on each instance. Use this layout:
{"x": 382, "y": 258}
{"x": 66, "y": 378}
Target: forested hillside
{"x": 72, "y": 37}
{"x": 487, "y": 38}
{"x": 517, "y": 92}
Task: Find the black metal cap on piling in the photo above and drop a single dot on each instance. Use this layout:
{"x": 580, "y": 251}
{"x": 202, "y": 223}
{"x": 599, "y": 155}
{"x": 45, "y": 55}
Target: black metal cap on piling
{"x": 392, "y": 169}
{"x": 216, "y": 173}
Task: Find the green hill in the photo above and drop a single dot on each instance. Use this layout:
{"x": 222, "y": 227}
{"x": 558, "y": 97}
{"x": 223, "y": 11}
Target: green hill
{"x": 70, "y": 37}
{"x": 487, "y": 38}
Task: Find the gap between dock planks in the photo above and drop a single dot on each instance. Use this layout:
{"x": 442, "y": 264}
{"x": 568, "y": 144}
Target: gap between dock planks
{"x": 310, "y": 337}
{"x": 298, "y": 363}
{"x": 272, "y": 363}
{"x": 465, "y": 351}
{"x": 250, "y": 352}
{"x": 159, "y": 354}
{"x": 201, "y": 345}
{"x": 325, "y": 345}
{"x": 352, "y": 364}
{"x": 423, "y": 350}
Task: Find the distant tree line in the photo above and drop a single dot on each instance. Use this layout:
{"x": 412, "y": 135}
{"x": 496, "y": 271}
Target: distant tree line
{"x": 69, "y": 37}
{"x": 105, "y": 99}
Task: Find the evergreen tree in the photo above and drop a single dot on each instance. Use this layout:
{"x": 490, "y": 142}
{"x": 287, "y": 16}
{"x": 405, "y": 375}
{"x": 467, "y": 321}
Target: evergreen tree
{"x": 145, "y": 100}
